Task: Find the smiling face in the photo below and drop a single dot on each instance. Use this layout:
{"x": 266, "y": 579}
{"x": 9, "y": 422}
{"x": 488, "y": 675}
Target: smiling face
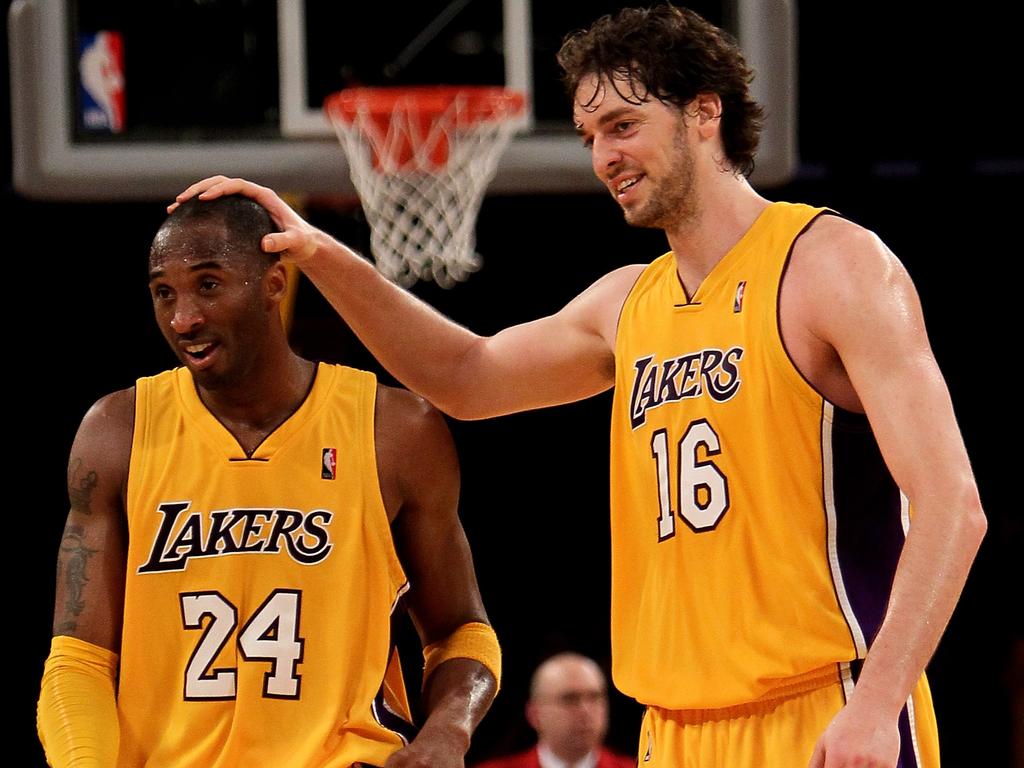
{"x": 639, "y": 149}
{"x": 213, "y": 303}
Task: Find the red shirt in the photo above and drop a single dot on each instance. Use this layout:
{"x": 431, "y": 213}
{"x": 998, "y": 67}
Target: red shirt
{"x": 529, "y": 759}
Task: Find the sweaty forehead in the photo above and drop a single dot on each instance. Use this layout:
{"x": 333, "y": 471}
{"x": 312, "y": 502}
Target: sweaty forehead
{"x": 196, "y": 244}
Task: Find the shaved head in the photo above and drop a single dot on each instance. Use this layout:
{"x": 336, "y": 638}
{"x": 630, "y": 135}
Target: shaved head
{"x": 568, "y": 705}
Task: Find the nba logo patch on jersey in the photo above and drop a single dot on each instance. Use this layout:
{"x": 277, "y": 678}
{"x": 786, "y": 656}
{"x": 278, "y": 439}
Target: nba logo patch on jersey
{"x": 737, "y": 304}
{"x": 330, "y": 464}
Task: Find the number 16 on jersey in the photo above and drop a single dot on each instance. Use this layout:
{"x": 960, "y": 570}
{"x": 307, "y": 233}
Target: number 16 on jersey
{"x": 702, "y": 491}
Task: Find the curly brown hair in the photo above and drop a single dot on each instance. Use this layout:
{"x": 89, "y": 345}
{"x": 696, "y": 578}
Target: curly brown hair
{"x": 672, "y": 54}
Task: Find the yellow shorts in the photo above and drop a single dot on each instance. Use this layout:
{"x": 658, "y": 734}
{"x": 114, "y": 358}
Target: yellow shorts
{"x": 777, "y": 733}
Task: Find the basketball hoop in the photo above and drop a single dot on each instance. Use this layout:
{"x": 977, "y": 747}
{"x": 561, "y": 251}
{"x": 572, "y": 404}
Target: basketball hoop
{"x": 421, "y": 159}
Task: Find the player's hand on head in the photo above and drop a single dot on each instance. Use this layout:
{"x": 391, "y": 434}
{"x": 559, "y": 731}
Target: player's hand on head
{"x": 296, "y": 240}
{"x": 213, "y": 187}
{"x": 201, "y": 188}
{"x": 858, "y": 738}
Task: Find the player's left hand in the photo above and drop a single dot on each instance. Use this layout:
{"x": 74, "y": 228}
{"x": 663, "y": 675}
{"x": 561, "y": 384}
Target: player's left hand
{"x": 858, "y": 736}
{"x": 427, "y": 751}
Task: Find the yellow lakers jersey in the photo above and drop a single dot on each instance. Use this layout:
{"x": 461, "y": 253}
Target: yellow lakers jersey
{"x": 259, "y": 589}
{"x": 755, "y": 528}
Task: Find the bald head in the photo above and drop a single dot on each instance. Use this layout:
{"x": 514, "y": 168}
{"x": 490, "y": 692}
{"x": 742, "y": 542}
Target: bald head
{"x": 568, "y": 705}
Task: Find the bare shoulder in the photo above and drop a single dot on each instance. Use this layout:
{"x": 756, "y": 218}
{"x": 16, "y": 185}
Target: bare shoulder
{"x": 112, "y": 412}
{"x": 842, "y": 270}
{"x": 407, "y": 418}
{"x": 415, "y": 450}
{"x": 104, "y": 437}
{"x": 841, "y": 256}
{"x": 615, "y": 285}
{"x": 620, "y": 280}
{"x": 599, "y": 306}
{"x": 97, "y": 467}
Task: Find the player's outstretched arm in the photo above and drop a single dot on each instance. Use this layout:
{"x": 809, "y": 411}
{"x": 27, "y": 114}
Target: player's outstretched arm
{"x": 860, "y": 300}
{"x": 419, "y": 474}
{"x": 557, "y": 359}
{"x": 77, "y": 715}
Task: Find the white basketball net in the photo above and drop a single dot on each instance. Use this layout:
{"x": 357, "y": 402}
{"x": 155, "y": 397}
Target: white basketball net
{"x": 422, "y": 216}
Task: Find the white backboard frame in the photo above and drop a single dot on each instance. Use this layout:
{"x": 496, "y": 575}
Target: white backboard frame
{"x": 299, "y": 120}
{"x": 49, "y": 164}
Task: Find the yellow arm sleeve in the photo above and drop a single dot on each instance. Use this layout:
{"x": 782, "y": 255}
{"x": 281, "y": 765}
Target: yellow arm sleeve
{"x": 77, "y": 713}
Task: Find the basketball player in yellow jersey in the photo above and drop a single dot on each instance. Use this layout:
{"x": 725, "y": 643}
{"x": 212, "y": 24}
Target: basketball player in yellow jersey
{"x": 243, "y": 532}
{"x": 776, "y": 402}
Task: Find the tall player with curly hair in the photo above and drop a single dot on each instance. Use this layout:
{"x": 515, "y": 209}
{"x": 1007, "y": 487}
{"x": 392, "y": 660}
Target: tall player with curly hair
{"x": 793, "y": 510}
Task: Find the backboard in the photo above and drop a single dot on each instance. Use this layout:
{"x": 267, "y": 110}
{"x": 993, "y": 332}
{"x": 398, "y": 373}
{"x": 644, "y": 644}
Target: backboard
{"x": 113, "y": 99}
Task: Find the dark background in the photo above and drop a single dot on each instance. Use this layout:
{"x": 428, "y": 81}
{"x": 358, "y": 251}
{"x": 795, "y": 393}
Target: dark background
{"x": 907, "y": 125}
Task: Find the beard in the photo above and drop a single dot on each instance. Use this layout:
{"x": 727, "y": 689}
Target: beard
{"x": 672, "y": 199}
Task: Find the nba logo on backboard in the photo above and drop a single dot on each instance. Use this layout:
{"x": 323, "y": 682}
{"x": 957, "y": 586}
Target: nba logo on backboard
{"x": 330, "y": 464}
{"x": 101, "y": 82}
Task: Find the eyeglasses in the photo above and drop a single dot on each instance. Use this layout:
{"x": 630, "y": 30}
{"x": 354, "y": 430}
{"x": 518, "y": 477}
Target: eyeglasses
{"x": 575, "y": 698}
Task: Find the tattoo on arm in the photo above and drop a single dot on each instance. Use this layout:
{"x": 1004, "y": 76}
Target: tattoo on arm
{"x": 74, "y": 556}
{"x": 81, "y": 486}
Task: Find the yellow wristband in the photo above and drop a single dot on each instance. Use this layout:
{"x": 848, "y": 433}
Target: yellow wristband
{"x": 474, "y": 640}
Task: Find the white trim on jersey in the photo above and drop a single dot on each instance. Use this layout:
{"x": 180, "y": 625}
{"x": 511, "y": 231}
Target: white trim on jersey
{"x": 380, "y": 722}
{"x": 401, "y": 591}
{"x": 905, "y": 520}
{"x": 828, "y": 489}
{"x": 913, "y": 728}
